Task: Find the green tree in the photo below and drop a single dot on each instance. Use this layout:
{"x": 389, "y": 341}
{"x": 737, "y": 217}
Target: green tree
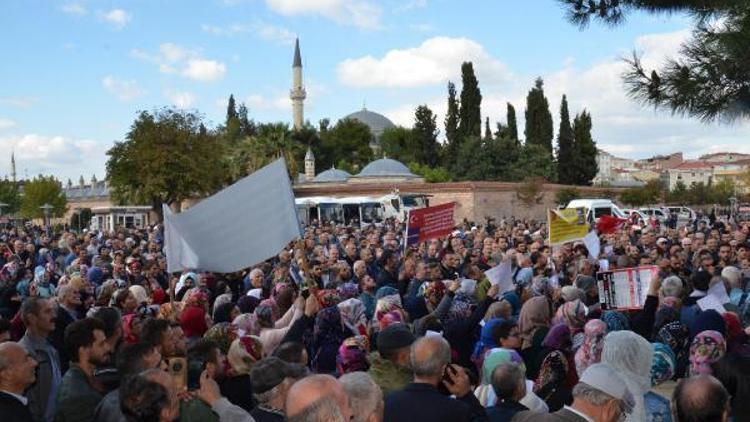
{"x": 534, "y": 161}
{"x": 349, "y": 140}
{"x": 429, "y": 173}
{"x": 274, "y": 141}
{"x": 398, "y": 143}
{"x": 722, "y": 190}
{"x": 470, "y": 119}
{"x": 584, "y": 150}
{"x": 678, "y": 195}
{"x": 708, "y": 79}
{"x": 451, "y": 127}
{"x": 43, "y": 190}
{"x": 247, "y": 125}
{"x": 539, "y": 129}
{"x": 565, "y": 158}
{"x": 424, "y": 134}
{"x": 231, "y": 109}
{"x": 80, "y": 219}
{"x": 10, "y": 196}
{"x": 565, "y": 195}
{"x": 165, "y": 159}
{"x": 472, "y": 163}
{"x": 511, "y": 123}
{"x": 487, "y": 131}
{"x": 639, "y": 196}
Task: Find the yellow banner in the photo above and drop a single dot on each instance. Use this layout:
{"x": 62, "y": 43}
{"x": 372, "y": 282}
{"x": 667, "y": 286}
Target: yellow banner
{"x": 567, "y": 225}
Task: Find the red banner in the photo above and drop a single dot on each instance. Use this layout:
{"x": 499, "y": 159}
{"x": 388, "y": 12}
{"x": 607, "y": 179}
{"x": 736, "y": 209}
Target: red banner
{"x": 429, "y": 223}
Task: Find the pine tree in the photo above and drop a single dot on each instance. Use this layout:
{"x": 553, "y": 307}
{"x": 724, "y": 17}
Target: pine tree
{"x": 487, "y": 131}
{"x": 424, "y": 134}
{"x": 511, "y": 123}
{"x": 565, "y": 159}
{"x": 247, "y": 126}
{"x": 231, "y": 109}
{"x": 451, "y": 127}
{"x": 539, "y": 129}
{"x": 470, "y": 119}
{"x": 584, "y": 150}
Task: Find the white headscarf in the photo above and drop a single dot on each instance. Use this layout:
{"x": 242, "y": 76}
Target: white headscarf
{"x": 631, "y": 355}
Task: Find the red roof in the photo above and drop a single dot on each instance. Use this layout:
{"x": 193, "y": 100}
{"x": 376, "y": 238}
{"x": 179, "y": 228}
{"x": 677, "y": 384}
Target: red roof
{"x": 694, "y": 165}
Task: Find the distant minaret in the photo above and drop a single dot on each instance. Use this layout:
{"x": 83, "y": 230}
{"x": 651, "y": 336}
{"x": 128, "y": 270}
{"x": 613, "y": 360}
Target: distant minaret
{"x": 13, "y": 166}
{"x": 309, "y": 165}
{"x": 297, "y": 93}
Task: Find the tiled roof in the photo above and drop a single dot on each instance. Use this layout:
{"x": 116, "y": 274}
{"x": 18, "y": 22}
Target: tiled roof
{"x": 99, "y": 190}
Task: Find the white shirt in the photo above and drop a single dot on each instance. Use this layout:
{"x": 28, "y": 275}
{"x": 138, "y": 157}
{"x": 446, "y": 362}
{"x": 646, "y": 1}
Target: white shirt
{"x": 578, "y": 412}
{"x": 20, "y": 398}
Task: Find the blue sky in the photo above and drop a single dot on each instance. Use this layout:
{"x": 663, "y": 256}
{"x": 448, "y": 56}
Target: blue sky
{"x": 74, "y": 73}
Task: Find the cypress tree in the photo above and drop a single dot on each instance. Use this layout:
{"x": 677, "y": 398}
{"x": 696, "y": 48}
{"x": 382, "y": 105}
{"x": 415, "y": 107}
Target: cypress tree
{"x": 584, "y": 150}
{"x": 539, "y": 129}
{"x": 512, "y": 125}
{"x": 565, "y": 158}
{"x": 231, "y": 109}
{"x": 470, "y": 119}
{"x": 451, "y": 126}
{"x": 487, "y": 131}
{"x": 424, "y": 134}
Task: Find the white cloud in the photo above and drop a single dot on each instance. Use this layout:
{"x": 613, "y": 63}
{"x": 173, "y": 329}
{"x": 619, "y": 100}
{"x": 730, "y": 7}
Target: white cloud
{"x": 6, "y": 123}
{"x": 118, "y": 18}
{"x": 74, "y": 9}
{"x": 60, "y": 156}
{"x": 20, "y": 102}
{"x": 435, "y": 61}
{"x": 125, "y": 90}
{"x": 360, "y": 13}
{"x": 174, "y": 58}
{"x": 181, "y": 99}
{"x": 422, "y": 27}
{"x": 204, "y": 70}
{"x": 260, "y": 28}
{"x": 260, "y": 102}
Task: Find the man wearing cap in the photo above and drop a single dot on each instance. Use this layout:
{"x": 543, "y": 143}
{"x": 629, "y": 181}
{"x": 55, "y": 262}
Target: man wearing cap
{"x": 599, "y": 396}
{"x": 272, "y": 378}
{"x": 389, "y": 366}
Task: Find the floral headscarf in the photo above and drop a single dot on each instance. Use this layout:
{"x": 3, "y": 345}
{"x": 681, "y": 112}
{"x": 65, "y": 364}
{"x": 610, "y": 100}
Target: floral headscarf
{"x": 572, "y": 314}
{"x": 616, "y": 321}
{"x": 170, "y": 310}
{"x": 352, "y": 355}
{"x": 348, "y": 290}
{"x": 387, "y": 305}
{"x": 552, "y": 373}
{"x": 247, "y": 324}
{"x": 496, "y": 357}
{"x": 541, "y": 286}
{"x": 128, "y": 328}
{"x": 353, "y": 315}
{"x": 675, "y": 335}
{"x": 707, "y": 347}
{"x": 328, "y": 297}
{"x": 222, "y": 334}
{"x": 434, "y": 291}
{"x": 664, "y": 364}
{"x": 590, "y": 351}
{"x": 390, "y": 318}
{"x": 197, "y": 298}
{"x": 460, "y": 308}
{"x": 243, "y": 353}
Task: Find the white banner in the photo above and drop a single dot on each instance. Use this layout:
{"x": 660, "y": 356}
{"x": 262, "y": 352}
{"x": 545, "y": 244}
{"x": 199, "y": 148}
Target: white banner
{"x": 240, "y": 226}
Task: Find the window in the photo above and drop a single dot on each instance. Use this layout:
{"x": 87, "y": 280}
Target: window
{"x": 598, "y": 212}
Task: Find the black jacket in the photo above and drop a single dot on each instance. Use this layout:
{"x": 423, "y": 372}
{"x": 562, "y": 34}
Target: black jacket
{"x": 11, "y": 409}
{"x": 423, "y": 402}
{"x": 504, "y": 411}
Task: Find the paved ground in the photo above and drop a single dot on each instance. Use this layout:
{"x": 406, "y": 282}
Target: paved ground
{"x": 666, "y": 389}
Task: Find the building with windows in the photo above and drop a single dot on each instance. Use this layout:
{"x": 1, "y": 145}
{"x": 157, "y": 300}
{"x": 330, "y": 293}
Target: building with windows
{"x": 689, "y": 172}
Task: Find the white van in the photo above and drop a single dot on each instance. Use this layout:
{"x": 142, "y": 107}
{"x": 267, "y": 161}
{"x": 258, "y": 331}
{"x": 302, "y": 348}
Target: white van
{"x": 596, "y": 208}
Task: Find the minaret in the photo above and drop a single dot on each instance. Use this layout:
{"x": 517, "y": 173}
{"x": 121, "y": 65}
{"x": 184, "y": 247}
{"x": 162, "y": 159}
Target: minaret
{"x": 309, "y": 165}
{"x": 13, "y": 166}
{"x": 297, "y": 93}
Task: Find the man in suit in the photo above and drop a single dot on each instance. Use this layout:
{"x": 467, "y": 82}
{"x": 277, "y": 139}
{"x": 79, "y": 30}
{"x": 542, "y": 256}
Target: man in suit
{"x": 421, "y": 400}
{"x": 17, "y": 373}
{"x": 599, "y": 396}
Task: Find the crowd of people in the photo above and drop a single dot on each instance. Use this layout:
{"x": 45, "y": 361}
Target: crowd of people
{"x": 346, "y": 324}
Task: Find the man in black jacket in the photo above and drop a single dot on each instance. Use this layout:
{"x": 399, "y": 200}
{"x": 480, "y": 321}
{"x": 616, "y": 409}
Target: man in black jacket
{"x": 17, "y": 368}
{"x": 421, "y": 400}
{"x": 509, "y": 384}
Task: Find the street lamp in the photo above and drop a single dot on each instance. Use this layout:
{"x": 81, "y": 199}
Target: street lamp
{"x": 46, "y": 208}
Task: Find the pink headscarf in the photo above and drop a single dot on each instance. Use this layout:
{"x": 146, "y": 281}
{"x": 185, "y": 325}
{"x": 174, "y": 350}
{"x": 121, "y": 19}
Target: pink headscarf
{"x": 590, "y": 351}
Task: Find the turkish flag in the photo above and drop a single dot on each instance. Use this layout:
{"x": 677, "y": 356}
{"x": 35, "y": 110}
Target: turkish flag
{"x": 609, "y": 224}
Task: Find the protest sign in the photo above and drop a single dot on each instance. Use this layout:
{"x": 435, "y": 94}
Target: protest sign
{"x": 591, "y": 240}
{"x": 626, "y": 288}
{"x": 429, "y": 223}
{"x": 502, "y": 275}
{"x": 246, "y": 223}
{"x": 566, "y": 225}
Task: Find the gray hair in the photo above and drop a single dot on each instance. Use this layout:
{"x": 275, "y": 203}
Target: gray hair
{"x": 256, "y": 271}
{"x": 595, "y": 396}
{"x": 435, "y": 362}
{"x": 671, "y": 286}
{"x": 322, "y": 410}
{"x": 267, "y": 396}
{"x": 365, "y": 397}
{"x": 63, "y": 291}
{"x": 506, "y": 380}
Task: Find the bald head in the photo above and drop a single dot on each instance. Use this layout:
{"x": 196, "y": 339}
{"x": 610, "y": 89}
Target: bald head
{"x": 429, "y": 355}
{"x": 700, "y": 398}
{"x": 309, "y": 390}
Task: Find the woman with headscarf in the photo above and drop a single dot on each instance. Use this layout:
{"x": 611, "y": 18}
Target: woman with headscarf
{"x": 736, "y": 336}
{"x": 632, "y": 356}
{"x": 222, "y": 334}
{"x": 557, "y": 376}
{"x": 125, "y": 301}
{"x": 590, "y": 351}
{"x": 352, "y": 355}
{"x": 675, "y": 335}
{"x": 572, "y": 314}
{"x": 663, "y": 369}
{"x": 193, "y": 318}
{"x": 485, "y": 393}
{"x": 486, "y": 341}
{"x": 328, "y": 334}
{"x": 353, "y": 315}
{"x": 225, "y": 312}
{"x": 707, "y": 347}
{"x": 273, "y": 330}
{"x": 533, "y": 323}
{"x": 236, "y": 387}
{"x": 616, "y": 321}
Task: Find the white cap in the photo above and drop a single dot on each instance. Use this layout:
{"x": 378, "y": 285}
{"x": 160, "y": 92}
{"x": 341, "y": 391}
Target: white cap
{"x": 606, "y": 379}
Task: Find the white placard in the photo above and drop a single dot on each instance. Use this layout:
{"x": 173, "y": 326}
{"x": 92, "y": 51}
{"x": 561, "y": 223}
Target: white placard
{"x": 501, "y": 275}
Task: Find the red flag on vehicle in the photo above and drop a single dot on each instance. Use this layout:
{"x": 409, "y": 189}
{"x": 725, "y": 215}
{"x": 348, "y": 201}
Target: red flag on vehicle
{"x": 609, "y": 224}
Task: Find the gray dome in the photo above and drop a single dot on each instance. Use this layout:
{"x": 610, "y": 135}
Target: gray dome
{"x": 377, "y": 122}
{"x": 332, "y": 175}
{"x": 386, "y": 167}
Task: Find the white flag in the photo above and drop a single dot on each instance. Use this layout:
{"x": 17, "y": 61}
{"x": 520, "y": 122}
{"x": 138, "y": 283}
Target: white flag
{"x": 240, "y": 226}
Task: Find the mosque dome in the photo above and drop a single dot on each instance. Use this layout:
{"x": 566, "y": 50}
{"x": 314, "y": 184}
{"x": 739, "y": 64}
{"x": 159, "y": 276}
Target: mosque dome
{"x": 332, "y": 175}
{"x": 387, "y": 167}
{"x": 375, "y": 121}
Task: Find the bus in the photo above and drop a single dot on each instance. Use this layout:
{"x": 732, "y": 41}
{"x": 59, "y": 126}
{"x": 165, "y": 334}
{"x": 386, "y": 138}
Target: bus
{"x": 357, "y": 210}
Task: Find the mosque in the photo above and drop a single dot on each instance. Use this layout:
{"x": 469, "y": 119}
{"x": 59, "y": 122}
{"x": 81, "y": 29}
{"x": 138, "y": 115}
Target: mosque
{"x": 384, "y": 170}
